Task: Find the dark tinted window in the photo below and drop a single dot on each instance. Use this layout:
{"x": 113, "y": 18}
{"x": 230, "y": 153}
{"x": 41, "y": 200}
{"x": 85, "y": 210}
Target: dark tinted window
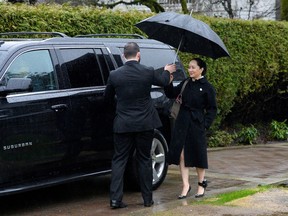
{"x": 105, "y": 62}
{"x": 37, "y": 66}
{"x": 82, "y": 67}
{"x": 118, "y": 59}
{"x": 158, "y": 58}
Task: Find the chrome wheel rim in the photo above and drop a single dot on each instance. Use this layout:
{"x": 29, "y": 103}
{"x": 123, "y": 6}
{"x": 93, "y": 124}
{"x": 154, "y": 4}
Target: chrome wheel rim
{"x": 158, "y": 159}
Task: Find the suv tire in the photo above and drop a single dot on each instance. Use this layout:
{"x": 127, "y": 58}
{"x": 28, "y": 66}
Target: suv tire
{"x": 159, "y": 155}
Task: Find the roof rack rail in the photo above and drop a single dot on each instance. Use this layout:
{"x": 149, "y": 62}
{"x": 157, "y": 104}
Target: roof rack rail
{"x": 59, "y": 34}
{"x": 112, "y": 35}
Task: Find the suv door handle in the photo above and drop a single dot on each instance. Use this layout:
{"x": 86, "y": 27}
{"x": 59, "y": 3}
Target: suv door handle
{"x": 59, "y": 107}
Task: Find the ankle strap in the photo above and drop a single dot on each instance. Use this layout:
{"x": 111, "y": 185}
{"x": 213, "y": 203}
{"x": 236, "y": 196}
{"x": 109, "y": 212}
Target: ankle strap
{"x": 203, "y": 184}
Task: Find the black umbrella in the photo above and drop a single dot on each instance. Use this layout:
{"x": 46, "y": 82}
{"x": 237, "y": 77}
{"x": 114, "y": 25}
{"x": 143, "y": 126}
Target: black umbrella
{"x": 185, "y": 33}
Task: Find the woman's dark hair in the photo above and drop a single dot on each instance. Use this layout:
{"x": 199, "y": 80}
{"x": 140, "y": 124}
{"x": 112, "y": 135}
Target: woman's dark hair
{"x": 201, "y": 64}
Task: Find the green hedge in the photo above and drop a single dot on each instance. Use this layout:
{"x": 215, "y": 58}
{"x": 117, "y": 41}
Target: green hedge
{"x": 258, "y": 49}
{"x": 284, "y": 10}
{"x": 67, "y": 19}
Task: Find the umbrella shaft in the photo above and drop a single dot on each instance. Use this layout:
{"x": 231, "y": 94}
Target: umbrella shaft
{"x": 178, "y": 49}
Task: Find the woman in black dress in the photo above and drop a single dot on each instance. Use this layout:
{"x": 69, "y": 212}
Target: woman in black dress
{"x": 188, "y": 146}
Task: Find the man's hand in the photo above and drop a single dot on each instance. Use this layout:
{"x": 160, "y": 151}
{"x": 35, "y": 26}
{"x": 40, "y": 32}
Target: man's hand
{"x": 170, "y": 67}
{"x": 171, "y": 78}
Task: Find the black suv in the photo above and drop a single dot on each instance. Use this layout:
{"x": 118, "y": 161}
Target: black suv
{"x": 55, "y": 126}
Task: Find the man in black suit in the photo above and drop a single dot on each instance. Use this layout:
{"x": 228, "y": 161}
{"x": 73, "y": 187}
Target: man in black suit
{"x": 135, "y": 121}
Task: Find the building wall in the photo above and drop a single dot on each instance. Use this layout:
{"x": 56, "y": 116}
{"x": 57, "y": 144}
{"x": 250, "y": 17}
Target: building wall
{"x": 261, "y": 9}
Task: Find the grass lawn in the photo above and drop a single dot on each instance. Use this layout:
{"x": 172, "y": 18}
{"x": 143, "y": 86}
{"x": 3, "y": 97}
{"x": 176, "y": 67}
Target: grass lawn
{"x": 222, "y": 199}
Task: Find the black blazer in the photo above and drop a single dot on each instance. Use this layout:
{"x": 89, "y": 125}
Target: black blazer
{"x": 131, "y": 84}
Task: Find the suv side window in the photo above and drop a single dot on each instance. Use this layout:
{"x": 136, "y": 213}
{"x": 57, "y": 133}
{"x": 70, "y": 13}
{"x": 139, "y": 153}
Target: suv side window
{"x": 165, "y": 56}
{"x": 82, "y": 67}
{"x": 37, "y": 66}
{"x": 105, "y": 62}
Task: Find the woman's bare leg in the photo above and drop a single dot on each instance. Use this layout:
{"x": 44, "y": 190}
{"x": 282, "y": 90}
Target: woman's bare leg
{"x": 201, "y": 176}
{"x": 184, "y": 174}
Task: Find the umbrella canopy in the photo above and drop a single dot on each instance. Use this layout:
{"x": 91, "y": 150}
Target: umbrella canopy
{"x": 185, "y": 33}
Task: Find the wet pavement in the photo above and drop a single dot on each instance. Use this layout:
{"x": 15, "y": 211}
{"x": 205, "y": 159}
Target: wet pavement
{"x": 230, "y": 169}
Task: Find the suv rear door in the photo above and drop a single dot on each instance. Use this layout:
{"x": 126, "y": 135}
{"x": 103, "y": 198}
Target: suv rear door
{"x": 86, "y": 70}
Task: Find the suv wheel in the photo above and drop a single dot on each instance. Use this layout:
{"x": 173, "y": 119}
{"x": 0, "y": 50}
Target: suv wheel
{"x": 159, "y": 159}
{"x": 159, "y": 151}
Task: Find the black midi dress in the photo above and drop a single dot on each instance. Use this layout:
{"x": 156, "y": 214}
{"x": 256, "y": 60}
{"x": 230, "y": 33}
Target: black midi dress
{"x": 197, "y": 112}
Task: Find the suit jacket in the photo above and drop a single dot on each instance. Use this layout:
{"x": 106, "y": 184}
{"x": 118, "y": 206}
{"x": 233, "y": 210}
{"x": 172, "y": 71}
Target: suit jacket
{"x": 131, "y": 84}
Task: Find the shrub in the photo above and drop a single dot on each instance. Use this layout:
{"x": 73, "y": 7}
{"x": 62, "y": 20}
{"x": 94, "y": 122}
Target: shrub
{"x": 220, "y": 139}
{"x": 279, "y": 130}
{"x": 248, "y": 135}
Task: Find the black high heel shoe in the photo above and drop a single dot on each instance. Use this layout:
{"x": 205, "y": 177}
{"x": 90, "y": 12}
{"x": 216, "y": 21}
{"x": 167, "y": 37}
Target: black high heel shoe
{"x": 184, "y": 196}
{"x": 203, "y": 184}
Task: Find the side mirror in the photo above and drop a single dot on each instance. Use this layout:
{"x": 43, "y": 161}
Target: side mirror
{"x": 16, "y": 85}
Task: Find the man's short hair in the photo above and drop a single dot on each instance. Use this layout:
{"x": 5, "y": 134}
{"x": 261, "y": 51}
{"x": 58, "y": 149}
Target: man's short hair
{"x": 131, "y": 49}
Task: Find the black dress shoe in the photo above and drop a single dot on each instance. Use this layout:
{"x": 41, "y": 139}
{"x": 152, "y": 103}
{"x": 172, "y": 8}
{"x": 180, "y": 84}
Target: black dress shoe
{"x": 148, "y": 204}
{"x": 203, "y": 184}
{"x": 184, "y": 196}
{"x": 114, "y": 204}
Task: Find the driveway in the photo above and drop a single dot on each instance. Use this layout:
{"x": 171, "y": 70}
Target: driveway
{"x": 229, "y": 169}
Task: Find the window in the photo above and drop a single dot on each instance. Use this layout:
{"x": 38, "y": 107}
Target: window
{"x": 118, "y": 59}
{"x": 105, "y": 62}
{"x": 82, "y": 67}
{"x": 164, "y": 56}
{"x": 37, "y": 66}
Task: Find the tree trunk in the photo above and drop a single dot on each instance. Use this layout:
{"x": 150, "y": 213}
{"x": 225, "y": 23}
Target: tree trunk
{"x": 184, "y": 6}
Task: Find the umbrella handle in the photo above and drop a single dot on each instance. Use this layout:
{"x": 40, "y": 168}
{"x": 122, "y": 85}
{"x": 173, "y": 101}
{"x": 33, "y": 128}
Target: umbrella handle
{"x": 178, "y": 49}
